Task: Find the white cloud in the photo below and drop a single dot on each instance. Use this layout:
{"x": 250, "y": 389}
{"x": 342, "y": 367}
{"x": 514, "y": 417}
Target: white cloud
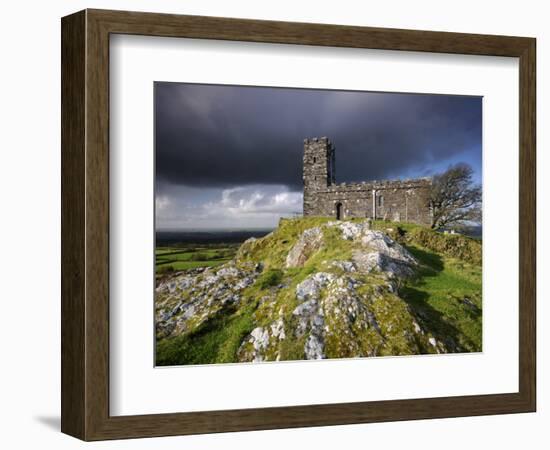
{"x": 241, "y": 207}
{"x": 162, "y": 203}
{"x": 256, "y": 201}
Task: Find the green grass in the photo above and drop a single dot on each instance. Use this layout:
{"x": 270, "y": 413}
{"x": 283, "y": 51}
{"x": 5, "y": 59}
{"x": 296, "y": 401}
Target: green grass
{"x": 215, "y": 341}
{"x": 270, "y": 278}
{"x": 451, "y": 245}
{"x": 446, "y": 293}
{"x": 168, "y": 259}
{"x": 273, "y": 249}
{"x": 446, "y": 298}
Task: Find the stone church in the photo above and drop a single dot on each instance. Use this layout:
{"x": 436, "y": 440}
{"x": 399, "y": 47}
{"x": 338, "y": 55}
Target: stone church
{"x": 400, "y": 200}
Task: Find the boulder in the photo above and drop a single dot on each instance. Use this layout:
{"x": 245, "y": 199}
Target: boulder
{"x": 380, "y": 253}
{"x": 382, "y": 243}
{"x": 345, "y": 266}
{"x": 310, "y": 287}
{"x": 187, "y": 300}
{"x": 262, "y": 343}
{"x": 309, "y": 242}
{"x": 351, "y": 230}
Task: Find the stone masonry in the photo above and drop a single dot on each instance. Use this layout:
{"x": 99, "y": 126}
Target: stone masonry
{"x": 400, "y": 200}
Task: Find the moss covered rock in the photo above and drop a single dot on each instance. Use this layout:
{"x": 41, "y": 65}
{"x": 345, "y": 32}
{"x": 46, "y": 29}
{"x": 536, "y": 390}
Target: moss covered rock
{"x": 316, "y": 289}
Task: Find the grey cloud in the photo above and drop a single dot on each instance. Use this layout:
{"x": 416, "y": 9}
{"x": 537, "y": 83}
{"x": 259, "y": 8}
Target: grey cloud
{"x": 226, "y": 136}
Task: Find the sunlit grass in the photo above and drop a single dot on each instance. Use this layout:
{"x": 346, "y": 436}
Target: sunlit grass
{"x": 168, "y": 259}
{"x": 446, "y": 296}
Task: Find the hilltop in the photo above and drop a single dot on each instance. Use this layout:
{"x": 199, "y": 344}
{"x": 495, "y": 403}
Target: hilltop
{"x": 316, "y": 288}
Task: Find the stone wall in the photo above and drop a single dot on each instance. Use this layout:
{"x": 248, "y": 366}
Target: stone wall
{"x": 401, "y": 200}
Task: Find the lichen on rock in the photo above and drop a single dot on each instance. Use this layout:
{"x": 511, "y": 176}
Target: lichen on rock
{"x": 186, "y": 300}
{"x": 262, "y": 344}
{"x": 351, "y": 230}
{"x": 309, "y": 242}
{"x": 311, "y": 286}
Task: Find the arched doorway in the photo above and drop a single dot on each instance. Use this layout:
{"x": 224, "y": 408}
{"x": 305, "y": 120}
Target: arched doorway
{"x": 339, "y": 211}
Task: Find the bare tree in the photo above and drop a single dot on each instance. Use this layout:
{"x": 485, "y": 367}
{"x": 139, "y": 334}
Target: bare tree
{"x": 454, "y": 198}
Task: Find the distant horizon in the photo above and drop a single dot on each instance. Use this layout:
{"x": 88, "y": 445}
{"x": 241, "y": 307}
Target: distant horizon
{"x": 210, "y": 230}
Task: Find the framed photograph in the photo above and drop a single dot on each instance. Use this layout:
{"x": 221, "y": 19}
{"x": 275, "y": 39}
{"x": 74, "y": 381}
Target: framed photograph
{"x": 272, "y": 225}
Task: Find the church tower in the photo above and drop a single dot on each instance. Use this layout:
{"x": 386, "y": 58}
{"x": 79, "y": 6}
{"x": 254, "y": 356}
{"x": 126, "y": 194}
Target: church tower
{"x": 318, "y": 172}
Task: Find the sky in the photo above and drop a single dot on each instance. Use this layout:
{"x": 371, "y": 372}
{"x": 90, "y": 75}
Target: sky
{"x": 230, "y": 157}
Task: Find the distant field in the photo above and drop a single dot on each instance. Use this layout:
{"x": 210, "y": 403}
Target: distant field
{"x": 189, "y": 256}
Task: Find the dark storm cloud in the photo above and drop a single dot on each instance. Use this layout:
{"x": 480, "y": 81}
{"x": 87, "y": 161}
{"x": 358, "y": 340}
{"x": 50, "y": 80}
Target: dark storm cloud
{"x": 223, "y": 136}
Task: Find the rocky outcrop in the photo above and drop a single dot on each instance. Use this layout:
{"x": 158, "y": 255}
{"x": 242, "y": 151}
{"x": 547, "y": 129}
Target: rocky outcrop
{"x": 335, "y": 295}
{"x": 310, "y": 287}
{"x": 310, "y": 315}
{"x": 263, "y": 343}
{"x": 344, "y": 315}
{"x": 309, "y": 242}
{"x": 351, "y": 230}
{"x": 376, "y": 251}
{"x": 345, "y": 266}
{"x": 341, "y": 313}
{"x": 186, "y": 300}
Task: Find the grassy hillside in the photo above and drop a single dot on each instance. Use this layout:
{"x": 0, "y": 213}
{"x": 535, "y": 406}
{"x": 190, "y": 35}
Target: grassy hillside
{"x": 446, "y": 292}
{"x": 254, "y": 309}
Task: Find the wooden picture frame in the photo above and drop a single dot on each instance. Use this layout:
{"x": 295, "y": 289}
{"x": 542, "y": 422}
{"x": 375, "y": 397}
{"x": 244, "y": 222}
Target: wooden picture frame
{"x": 85, "y": 224}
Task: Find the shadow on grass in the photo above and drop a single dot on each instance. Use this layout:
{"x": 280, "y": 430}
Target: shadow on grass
{"x": 430, "y": 262}
{"x": 432, "y": 320}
